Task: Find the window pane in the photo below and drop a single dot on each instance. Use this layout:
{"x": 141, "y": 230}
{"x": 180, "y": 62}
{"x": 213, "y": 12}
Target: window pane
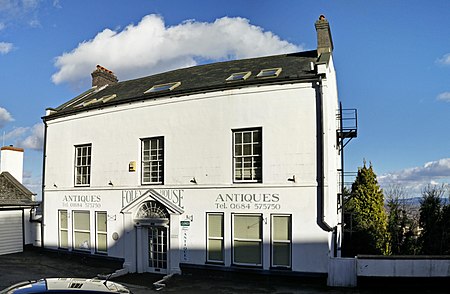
{"x": 238, "y": 150}
{"x": 247, "y": 137}
{"x": 215, "y": 225}
{"x": 247, "y": 149}
{"x": 101, "y": 221}
{"x": 281, "y": 228}
{"x": 101, "y": 243}
{"x": 282, "y": 254}
{"x": 247, "y": 252}
{"x": 63, "y": 219}
{"x": 215, "y": 250}
{"x": 257, "y": 149}
{"x": 81, "y": 240}
{"x": 238, "y": 138}
{"x": 247, "y": 226}
{"x": 81, "y": 220}
{"x": 63, "y": 241}
{"x": 256, "y": 137}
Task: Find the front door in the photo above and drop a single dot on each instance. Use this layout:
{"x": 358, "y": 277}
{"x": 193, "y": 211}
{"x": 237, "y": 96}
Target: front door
{"x": 157, "y": 249}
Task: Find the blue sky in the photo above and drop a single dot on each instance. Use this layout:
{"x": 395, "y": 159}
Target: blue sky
{"x": 392, "y": 60}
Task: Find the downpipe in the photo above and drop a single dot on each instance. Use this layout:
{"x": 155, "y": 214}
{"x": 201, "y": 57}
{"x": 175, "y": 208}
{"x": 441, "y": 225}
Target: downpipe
{"x": 320, "y": 161}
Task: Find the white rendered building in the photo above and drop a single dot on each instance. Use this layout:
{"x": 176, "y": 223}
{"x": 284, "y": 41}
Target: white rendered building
{"x": 225, "y": 165}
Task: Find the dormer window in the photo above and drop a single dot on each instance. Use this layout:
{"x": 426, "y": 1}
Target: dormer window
{"x": 239, "y": 76}
{"x": 269, "y": 73}
{"x": 163, "y": 87}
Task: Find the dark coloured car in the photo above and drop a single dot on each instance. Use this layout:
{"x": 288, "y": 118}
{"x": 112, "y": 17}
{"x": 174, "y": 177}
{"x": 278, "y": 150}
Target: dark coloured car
{"x": 66, "y": 285}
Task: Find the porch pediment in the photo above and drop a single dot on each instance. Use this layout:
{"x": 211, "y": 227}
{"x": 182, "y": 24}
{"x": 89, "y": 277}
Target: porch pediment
{"x": 152, "y": 195}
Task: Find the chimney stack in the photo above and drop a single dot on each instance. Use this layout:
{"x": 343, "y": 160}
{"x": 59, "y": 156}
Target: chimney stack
{"x": 102, "y": 76}
{"x": 324, "y": 41}
{"x": 12, "y": 162}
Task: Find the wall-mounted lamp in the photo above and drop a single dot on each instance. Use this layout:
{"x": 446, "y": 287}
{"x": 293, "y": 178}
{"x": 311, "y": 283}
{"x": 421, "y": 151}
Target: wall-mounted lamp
{"x": 193, "y": 181}
{"x": 292, "y": 179}
{"x": 110, "y": 183}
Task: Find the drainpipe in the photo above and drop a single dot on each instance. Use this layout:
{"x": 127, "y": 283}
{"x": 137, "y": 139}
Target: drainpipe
{"x": 44, "y": 157}
{"x": 320, "y": 161}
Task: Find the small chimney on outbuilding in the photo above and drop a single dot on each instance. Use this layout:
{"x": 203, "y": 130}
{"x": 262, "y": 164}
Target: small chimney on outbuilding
{"x": 102, "y": 76}
{"x": 11, "y": 160}
{"x": 324, "y": 41}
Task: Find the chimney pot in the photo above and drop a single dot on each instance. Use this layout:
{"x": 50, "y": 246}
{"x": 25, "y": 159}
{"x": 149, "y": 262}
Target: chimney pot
{"x": 102, "y": 76}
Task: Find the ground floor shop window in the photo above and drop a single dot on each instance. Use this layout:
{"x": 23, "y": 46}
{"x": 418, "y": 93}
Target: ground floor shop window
{"x": 215, "y": 237}
{"x": 63, "y": 240}
{"x": 247, "y": 239}
{"x": 101, "y": 232}
{"x": 81, "y": 230}
{"x": 281, "y": 241}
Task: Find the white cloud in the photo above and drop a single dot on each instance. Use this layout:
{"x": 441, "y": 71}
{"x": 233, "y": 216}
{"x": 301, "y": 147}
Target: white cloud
{"x": 5, "y": 48}
{"x": 18, "y": 6}
{"x": 19, "y": 11}
{"x": 150, "y": 47}
{"x": 434, "y": 172}
{"x": 35, "y": 138}
{"x": 5, "y": 117}
{"x": 444, "y": 97}
{"x": 444, "y": 60}
{"x": 15, "y": 133}
{"x": 27, "y": 137}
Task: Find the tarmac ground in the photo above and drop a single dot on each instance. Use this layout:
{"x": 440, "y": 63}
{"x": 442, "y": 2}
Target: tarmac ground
{"x": 34, "y": 264}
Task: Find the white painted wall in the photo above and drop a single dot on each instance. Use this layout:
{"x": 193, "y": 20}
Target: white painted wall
{"x": 197, "y": 130}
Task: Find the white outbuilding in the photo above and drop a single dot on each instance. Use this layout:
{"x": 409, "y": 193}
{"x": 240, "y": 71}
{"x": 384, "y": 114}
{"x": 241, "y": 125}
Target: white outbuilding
{"x": 17, "y": 204}
{"x": 229, "y": 165}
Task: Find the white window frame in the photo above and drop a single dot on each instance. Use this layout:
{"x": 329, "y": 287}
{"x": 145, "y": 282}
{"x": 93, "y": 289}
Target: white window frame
{"x": 219, "y": 238}
{"x": 101, "y": 233}
{"x": 260, "y": 240}
{"x": 83, "y": 169}
{"x": 163, "y": 87}
{"x": 269, "y": 73}
{"x": 239, "y": 76}
{"x": 159, "y": 161}
{"x": 274, "y": 241}
{"x": 256, "y": 160}
{"x": 61, "y": 229}
{"x": 75, "y": 230}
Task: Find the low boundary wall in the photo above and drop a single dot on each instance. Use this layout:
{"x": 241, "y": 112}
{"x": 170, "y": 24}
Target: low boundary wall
{"x": 347, "y": 272}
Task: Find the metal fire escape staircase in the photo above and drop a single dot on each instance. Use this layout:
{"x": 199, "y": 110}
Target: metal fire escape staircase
{"x": 347, "y": 122}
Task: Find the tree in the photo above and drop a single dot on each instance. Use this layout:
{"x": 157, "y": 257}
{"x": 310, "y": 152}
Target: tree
{"x": 402, "y": 225}
{"x": 368, "y": 216}
{"x": 431, "y": 220}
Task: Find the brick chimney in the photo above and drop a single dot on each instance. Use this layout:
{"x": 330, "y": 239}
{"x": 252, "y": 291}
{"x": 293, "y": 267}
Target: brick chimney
{"x": 324, "y": 41}
{"x": 102, "y": 76}
{"x": 12, "y": 161}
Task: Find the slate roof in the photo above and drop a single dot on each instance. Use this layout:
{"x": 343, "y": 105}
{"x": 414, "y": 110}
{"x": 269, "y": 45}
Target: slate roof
{"x": 13, "y": 193}
{"x": 296, "y": 67}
